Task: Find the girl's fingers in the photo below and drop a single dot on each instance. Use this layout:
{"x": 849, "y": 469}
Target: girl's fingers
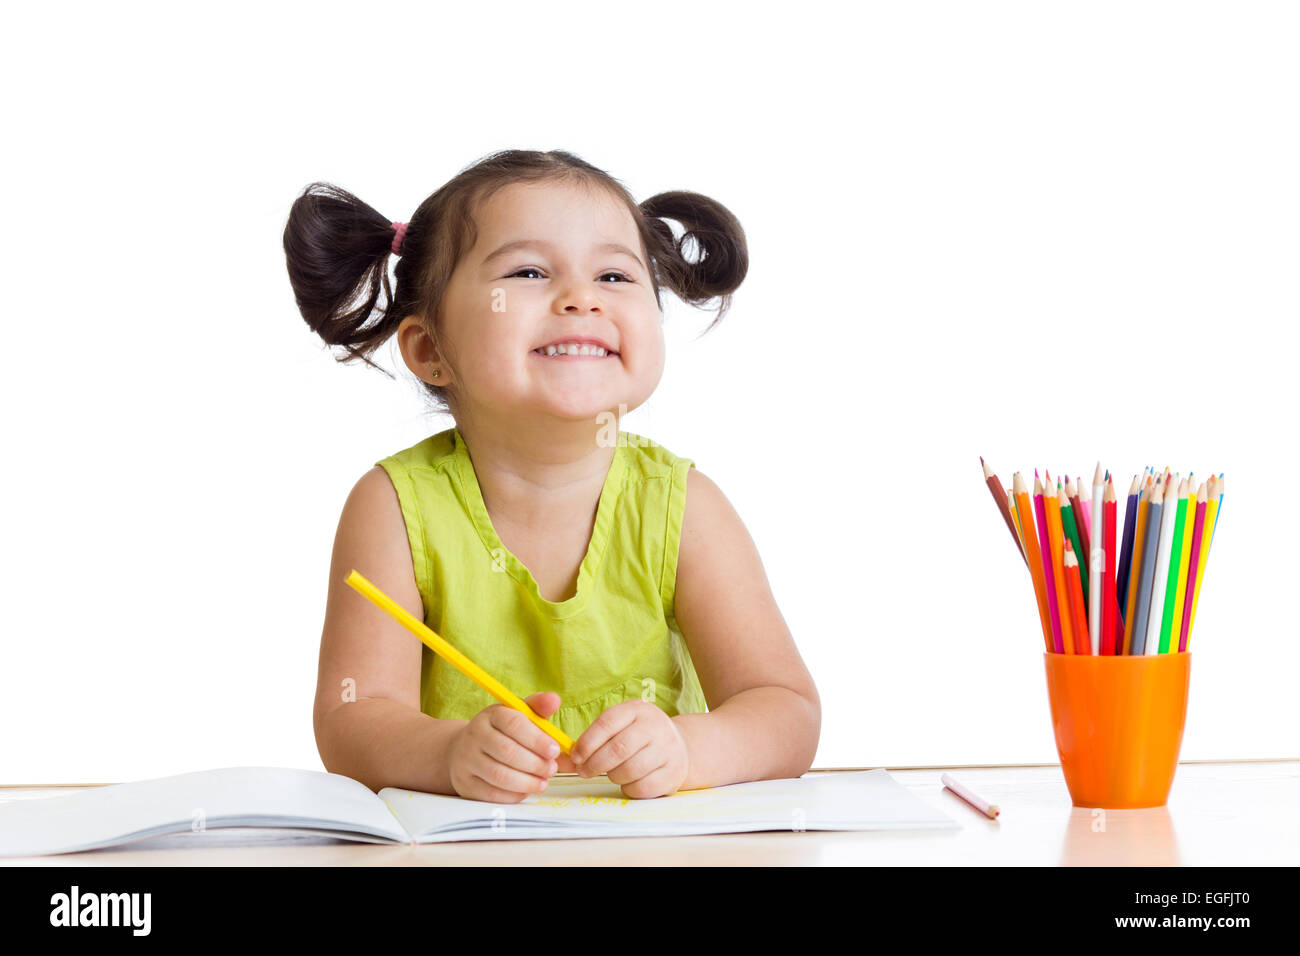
{"x": 499, "y": 776}
{"x": 506, "y": 750}
{"x": 615, "y": 752}
{"x": 657, "y": 783}
{"x": 522, "y": 730}
{"x": 563, "y": 764}
{"x": 642, "y": 763}
{"x": 603, "y": 729}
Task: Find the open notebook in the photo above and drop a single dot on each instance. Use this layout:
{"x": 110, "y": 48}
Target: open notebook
{"x": 334, "y": 805}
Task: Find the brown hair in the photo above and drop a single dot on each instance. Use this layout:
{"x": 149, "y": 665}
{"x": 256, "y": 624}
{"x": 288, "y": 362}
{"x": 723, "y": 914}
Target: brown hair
{"x": 336, "y": 248}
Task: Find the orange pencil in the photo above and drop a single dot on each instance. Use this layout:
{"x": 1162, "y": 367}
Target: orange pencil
{"x": 1078, "y": 616}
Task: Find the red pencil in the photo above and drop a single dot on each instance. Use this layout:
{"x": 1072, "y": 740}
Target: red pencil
{"x": 1108, "y": 597}
{"x": 1074, "y": 586}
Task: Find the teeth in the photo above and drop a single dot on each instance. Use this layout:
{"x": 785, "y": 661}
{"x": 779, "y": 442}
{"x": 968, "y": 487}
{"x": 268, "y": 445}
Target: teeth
{"x": 573, "y": 349}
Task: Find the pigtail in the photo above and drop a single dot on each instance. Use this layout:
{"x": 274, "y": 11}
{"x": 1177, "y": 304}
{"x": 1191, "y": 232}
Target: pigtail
{"x": 720, "y": 255}
{"x": 336, "y": 248}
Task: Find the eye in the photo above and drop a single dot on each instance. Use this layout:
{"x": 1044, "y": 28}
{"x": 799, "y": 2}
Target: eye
{"x": 622, "y": 277}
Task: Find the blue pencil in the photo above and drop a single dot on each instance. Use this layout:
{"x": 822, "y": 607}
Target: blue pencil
{"x": 1126, "y": 545}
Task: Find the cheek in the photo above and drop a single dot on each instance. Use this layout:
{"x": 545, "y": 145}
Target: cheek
{"x": 649, "y": 340}
{"x": 487, "y": 340}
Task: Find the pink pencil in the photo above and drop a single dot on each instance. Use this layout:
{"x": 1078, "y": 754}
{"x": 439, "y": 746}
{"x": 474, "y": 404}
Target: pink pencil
{"x": 1191, "y": 565}
{"x": 979, "y": 803}
{"x": 1040, "y": 513}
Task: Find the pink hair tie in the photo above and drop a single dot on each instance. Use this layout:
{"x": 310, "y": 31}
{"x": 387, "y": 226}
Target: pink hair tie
{"x": 397, "y": 239}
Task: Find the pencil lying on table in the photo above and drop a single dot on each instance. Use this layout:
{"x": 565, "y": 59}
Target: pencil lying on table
{"x": 979, "y": 803}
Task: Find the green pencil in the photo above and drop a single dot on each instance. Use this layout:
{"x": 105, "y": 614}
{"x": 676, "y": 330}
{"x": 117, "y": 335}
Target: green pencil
{"x": 1171, "y": 585}
{"x": 1072, "y": 532}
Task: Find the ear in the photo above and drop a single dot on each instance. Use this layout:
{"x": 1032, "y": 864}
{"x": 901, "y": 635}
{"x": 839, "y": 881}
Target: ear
{"x": 419, "y": 352}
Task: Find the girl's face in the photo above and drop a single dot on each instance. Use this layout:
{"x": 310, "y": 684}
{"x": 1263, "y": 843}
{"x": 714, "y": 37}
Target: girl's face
{"x": 552, "y": 262}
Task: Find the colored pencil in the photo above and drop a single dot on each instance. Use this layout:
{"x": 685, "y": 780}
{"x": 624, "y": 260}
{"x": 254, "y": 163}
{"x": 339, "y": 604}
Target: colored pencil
{"x": 1135, "y": 568}
{"x": 1150, "y": 545}
{"x": 1074, "y": 585}
{"x": 1000, "y": 499}
{"x": 1049, "y": 573}
{"x": 1026, "y": 520}
{"x": 1184, "y": 563}
{"x": 1052, "y": 509}
{"x": 1211, "y": 508}
{"x": 979, "y": 803}
{"x": 1072, "y": 526}
{"x": 1072, "y": 492}
{"x": 1175, "y": 557}
{"x": 1220, "y": 508}
{"x": 438, "y": 644}
{"x": 1087, "y": 505}
{"x": 1109, "y": 599}
{"x": 1126, "y": 545}
{"x": 1160, "y": 583}
{"x": 1015, "y": 520}
{"x": 1193, "y": 561}
{"x": 1068, "y": 543}
{"x": 1096, "y": 564}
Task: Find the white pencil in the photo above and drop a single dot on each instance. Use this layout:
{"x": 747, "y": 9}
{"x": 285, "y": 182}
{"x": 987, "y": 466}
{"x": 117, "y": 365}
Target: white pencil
{"x": 1096, "y": 562}
{"x": 979, "y": 803}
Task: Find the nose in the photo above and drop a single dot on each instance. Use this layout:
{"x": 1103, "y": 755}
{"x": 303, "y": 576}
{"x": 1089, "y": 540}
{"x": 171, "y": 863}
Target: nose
{"x": 578, "y": 296}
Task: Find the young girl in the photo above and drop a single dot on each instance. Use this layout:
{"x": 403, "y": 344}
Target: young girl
{"x": 579, "y": 564}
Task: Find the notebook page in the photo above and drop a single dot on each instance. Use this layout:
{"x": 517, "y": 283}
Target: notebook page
{"x": 230, "y": 796}
{"x": 578, "y": 807}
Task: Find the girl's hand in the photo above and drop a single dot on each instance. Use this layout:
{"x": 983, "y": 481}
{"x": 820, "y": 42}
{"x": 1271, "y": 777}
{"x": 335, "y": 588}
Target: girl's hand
{"x": 637, "y": 746}
{"x": 502, "y": 757}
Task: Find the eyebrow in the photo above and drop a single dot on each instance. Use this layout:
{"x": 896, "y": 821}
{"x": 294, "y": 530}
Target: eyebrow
{"x": 542, "y": 244}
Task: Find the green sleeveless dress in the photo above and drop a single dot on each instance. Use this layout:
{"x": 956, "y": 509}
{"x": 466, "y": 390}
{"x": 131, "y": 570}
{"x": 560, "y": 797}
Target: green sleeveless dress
{"x": 616, "y": 639}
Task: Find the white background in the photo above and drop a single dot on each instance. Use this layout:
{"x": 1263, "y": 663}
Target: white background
{"x": 1046, "y": 234}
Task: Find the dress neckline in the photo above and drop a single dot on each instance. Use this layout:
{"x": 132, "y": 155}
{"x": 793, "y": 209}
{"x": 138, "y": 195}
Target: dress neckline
{"x": 505, "y": 558}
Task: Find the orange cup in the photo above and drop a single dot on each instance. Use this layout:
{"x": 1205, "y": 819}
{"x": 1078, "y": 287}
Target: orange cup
{"x": 1119, "y": 725}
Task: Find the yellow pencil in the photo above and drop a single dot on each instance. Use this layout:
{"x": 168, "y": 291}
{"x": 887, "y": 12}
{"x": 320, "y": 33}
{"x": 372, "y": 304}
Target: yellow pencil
{"x": 455, "y": 658}
{"x": 1015, "y": 518}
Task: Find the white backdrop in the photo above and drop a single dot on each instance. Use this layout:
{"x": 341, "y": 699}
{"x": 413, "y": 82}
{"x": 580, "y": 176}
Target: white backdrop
{"x": 1045, "y": 234}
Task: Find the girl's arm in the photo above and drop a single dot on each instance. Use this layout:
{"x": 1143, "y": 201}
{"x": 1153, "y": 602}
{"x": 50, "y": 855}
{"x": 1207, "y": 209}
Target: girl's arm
{"x": 764, "y": 715}
{"x": 367, "y": 715}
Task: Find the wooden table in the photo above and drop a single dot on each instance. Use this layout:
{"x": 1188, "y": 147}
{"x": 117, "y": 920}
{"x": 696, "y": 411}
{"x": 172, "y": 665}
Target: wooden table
{"x": 1232, "y": 813}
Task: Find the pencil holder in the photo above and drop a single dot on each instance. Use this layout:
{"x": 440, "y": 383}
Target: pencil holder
{"x": 1119, "y": 725}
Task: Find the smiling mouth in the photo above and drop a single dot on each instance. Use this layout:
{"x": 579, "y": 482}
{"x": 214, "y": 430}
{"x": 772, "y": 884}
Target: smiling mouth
{"x": 575, "y": 357}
